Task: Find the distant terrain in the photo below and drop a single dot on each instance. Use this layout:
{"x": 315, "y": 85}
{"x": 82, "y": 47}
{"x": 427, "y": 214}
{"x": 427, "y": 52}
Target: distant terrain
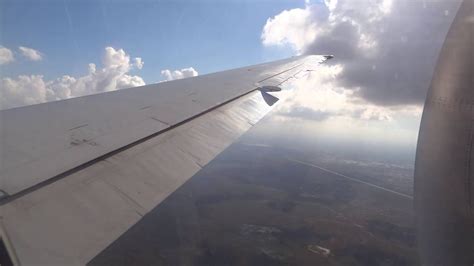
{"x": 255, "y": 205}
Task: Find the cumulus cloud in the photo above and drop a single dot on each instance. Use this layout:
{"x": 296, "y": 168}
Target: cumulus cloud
{"x": 6, "y": 56}
{"x": 114, "y": 75}
{"x": 23, "y": 90}
{"x": 318, "y": 97}
{"x": 293, "y": 27}
{"x": 30, "y": 53}
{"x": 179, "y": 74}
{"x": 387, "y": 49}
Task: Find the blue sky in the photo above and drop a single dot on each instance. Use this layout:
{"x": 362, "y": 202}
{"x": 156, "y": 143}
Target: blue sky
{"x": 385, "y": 52}
{"x": 207, "y": 35}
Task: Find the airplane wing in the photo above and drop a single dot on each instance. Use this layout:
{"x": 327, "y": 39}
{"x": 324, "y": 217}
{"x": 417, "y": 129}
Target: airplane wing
{"x": 76, "y": 174}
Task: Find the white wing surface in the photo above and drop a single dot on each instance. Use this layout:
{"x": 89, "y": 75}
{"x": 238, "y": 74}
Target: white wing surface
{"x": 76, "y": 174}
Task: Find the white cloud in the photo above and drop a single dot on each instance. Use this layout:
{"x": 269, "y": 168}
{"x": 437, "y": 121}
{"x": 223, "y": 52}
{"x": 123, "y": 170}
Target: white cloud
{"x": 301, "y": 27}
{"x": 293, "y": 27}
{"x": 6, "y": 56}
{"x": 139, "y": 62}
{"x": 30, "y": 53}
{"x": 319, "y": 97}
{"x": 179, "y": 74}
{"x": 128, "y": 81}
{"x": 23, "y": 90}
{"x": 26, "y": 90}
{"x": 331, "y": 4}
{"x": 387, "y": 48}
{"x": 321, "y": 111}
